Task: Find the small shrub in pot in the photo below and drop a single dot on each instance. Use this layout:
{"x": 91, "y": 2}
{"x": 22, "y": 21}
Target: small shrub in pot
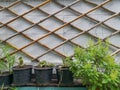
{"x": 43, "y": 72}
{"x": 22, "y": 73}
{"x": 64, "y": 75}
{"x": 6, "y": 65}
{"x": 96, "y": 67}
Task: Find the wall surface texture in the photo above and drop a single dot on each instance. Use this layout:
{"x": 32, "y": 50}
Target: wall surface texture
{"x": 50, "y": 29}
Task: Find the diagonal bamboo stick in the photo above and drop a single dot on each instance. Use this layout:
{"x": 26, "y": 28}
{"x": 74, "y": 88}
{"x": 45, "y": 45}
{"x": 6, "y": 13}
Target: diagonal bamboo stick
{"x": 88, "y": 15}
{"x": 117, "y": 51}
{"x": 117, "y": 31}
{"x": 104, "y": 40}
{"x": 47, "y": 1}
{"x": 59, "y": 36}
{"x": 40, "y": 43}
{"x": 1, "y": 7}
{"x": 18, "y": 1}
{"x": 48, "y": 17}
{"x": 77, "y": 35}
{"x": 17, "y": 49}
{"x": 93, "y": 19}
{"x": 41, "y": 21}
{"x": 104, "y": 9}
{"x": 33, "y": 39}
{"x": 62, "y": 26}
{"x": 88, "y": 1}
{"x": 63, "y": 38}
{"x": 19, "y": 16}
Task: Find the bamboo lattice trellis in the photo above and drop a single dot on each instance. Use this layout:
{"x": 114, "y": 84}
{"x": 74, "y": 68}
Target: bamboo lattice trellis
{"x": 54, "y": 18}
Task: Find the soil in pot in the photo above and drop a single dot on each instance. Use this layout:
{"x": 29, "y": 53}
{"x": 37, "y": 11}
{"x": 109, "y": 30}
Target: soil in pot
{"x": 22, "y": 75}
{"x": 64, "y": 76}
{"x": 6, "y": 79}
{"x": 43, "y": 75}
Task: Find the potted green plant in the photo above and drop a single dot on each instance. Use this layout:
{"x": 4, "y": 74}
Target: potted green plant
{"x": 22, "y": 73}
{"x": 7, "y": 88}
{"x": 43, "y": 72}
{"x": 6, "y": 65}
{"x": 96, "y": 67}
{"x": 64, "y": 75}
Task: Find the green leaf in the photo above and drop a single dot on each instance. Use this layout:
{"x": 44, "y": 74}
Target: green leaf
{"x": 105, "y": 81}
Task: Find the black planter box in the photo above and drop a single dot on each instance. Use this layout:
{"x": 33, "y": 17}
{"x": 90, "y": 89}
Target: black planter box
{"x": 64, "y": 76}
{"x": 6, "y": 79}
{"x": 43, "y": 75}
{"x": 22, "y": 76}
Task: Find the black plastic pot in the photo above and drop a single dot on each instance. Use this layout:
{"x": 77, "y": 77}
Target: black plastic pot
{"x": 43, "y": 75}
{"x": 64, "y": 76}
{"x": 6, "y": 79}
{"x": 22, "y": 75}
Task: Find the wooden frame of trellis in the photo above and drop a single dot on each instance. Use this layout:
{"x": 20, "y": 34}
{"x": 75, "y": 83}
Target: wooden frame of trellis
{"x": 81, "y": 15}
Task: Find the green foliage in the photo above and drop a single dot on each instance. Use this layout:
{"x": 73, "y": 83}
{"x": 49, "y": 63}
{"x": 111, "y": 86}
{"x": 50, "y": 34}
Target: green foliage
{"x": 2, "y": 87}
{"x": 3, "y": 66}
{"x": 21, "y": 62}
{"x": 9, "y": 60}
{"x": 10, "y": 88}
{"x": 96, "y": 67}
{"x": 45, "y": 64}
{"x": 66, "y": 62}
